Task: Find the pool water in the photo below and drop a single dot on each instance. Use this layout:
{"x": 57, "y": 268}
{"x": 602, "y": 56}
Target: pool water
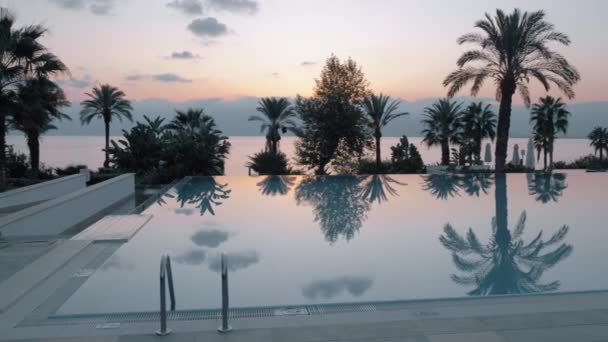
{"x": 295, "y": 240}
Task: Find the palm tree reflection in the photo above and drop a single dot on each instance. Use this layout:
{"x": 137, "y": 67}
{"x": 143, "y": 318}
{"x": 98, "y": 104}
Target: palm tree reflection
{"x": 506, "y": 264}
{"x": 441, "y": 186}
{"x": 546, "y": 186}
{"x": 375, "y": 188}
{"x": 337, "y": 202}
{"x": 202, "y": 192}
{"x": 476, "y": 183}
{"x": 276, "y": 185}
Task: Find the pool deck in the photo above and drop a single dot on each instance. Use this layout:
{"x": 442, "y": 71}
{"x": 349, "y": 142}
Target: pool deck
{"x": 28, "y": 295}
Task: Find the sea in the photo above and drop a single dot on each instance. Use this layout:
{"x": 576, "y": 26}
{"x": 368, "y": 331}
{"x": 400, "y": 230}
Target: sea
{"x": 61, "y": 151}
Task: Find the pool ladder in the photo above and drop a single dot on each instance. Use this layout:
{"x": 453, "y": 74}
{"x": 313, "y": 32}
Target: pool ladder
{"x": 166, "y": 277}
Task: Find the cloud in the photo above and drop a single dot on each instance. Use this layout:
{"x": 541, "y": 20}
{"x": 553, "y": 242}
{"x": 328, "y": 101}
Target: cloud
{"x": 165, "y": 77}
{"x": 97, "y": 7}
{"x": 236, "y": 261}
{"x": 328, "y": 289}
{"x": 207, "y": 27}
{"x": 85, "y": 82}
{"x": 308, "y": 63}
{"x": 188, "y": 7}
{"x": 237, "y": 6}
{"x": 184, "y": 211}
{"x": 184, "y": 55}
{"x": 170, "y": 78}
{"x": 209, "y": 238}
{"x": 275, "y": 74}
{"x": 193, "y": 257}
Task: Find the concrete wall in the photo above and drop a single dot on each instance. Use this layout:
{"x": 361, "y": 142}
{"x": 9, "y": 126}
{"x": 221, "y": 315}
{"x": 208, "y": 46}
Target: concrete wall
{"x": 19, "y": 198}
{"x": 60, "y": 214}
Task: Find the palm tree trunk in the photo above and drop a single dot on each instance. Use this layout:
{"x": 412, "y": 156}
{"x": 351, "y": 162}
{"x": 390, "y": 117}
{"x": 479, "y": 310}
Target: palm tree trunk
{"x": 445, "y": 153}
{"x": 378, "y": 156}
{"x": 2, "y": 149}
{"x": 601, "y": 154}
{"x": 34, "y": 147}
{"x": 504, "y": 124}
{"x": 106, "y": 162}
{"x": 545, "y": 158}
{"x": 551, "y": 143}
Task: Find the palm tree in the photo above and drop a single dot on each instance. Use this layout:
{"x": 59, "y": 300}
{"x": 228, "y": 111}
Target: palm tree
{"x": 381, "y": 111}
{"x": 278, "y": 117}
{"x": 443, "y": 123}
{"x": 599, "y": 140}
{"x": 513, "y": 49}
{"x": 21, "y": 55}
{"x": 549, "y": 118}
{"x": 479, "y": 123}
{"x": 106, "y": 102}
{"x": 506, "y": 264}
{"x": 39, "y": 100}
{"x": 188, "y": 121}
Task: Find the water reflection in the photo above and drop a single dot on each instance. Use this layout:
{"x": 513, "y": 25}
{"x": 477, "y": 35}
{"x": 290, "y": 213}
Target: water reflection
{"x": 546, "y": 186}
{"x": 235, "y": 261}
{"x": 204, "y": 193}
{"x": 117, "y": 263}
{"x": 441, "y": 186}
{"x": 193, "y": 257}
{"x": 276, "y": 185}
{"x": 328, "y": 289}
{"x": 506, "y": 264}
{"x": 474, "y": 184}
{"x": 375, "y": 188}
{"x": 337, "y": 202}
{"x": 209, "y": 238}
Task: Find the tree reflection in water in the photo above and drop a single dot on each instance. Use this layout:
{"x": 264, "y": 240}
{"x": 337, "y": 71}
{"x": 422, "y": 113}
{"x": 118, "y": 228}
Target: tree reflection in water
{"x": 337, "y": 202}
{"x": 376, "y": 187}
{"x": 276, "y": 185}
{"x": 546, "y": 186}
{"x": 506, "y": 264}
{"x": 204, "y": 193}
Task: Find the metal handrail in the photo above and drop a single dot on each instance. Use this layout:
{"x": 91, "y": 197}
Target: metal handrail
{"x": 165, "y": 274}
{"x": 225, "y": 327}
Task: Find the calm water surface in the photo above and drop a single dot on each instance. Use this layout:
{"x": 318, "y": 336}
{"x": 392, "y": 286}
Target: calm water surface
{"x": 60, "y": 151}
{"x": 316, "y": 240}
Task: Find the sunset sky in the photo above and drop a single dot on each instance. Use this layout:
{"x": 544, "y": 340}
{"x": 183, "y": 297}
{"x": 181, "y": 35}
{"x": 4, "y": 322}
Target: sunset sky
{"x": 189, "y": 49}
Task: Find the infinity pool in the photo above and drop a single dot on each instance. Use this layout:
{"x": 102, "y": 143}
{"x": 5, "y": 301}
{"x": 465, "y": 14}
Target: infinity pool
{"x": 319, "y": 240}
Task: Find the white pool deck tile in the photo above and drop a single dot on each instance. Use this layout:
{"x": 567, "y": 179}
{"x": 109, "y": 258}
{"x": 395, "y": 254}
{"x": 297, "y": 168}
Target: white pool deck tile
{"x": 117, "y": 228}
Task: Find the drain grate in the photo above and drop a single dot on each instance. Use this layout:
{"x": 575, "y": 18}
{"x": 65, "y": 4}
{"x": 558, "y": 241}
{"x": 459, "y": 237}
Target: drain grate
{"x": 198, "y": 315}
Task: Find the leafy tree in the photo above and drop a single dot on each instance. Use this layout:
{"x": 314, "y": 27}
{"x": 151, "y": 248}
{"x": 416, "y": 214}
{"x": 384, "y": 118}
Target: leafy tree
{"x": 194, "y": 145}
{"x": 443, "y": 124}
{"x": 479, "y": 123}
{"x": 337, "y": 202}
{"x": 547, "y": 186}
{"x": 22, "y": 55}
{"x": 513, "y": 49}
{"x": 549, "y": 117}
{"x": 141, "y": 150}
{"x": 278, "y": 117}
{"x": 106, "y": 102}
{"x": 405, "y": 158}
{"x": 38, "y": 103}
{"x": 333, "y": 124}
{"x": 269, "y": 163}
{"x": 381, "y": 110}
{"x": 599, "y": 140}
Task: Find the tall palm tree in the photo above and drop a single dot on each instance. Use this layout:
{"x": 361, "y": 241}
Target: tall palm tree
{"x": 443, "y": 126}
{"x": 38, "y": 104}
{"x": 106, "y": 102}
{"x": 188, "y": 121}
{"x": 380, "y": 110}
{"x": 21, "y": 55}
{"x": 549, "y": 117}
{"x": 479, "y": 123}
{"x": 599, "y": 140}
{"x": 278, "y": 117}
{"x": 514, "y": 49}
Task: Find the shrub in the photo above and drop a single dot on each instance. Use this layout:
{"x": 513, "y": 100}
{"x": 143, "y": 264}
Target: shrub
{"x": 586, "y": 162}
{"x": 269, "y": 163}
{"x": 405, "y": 158}
{"x": 17, "y": 165}
{"x": 368, "y": 167}
{"x": 69, "y": 170}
